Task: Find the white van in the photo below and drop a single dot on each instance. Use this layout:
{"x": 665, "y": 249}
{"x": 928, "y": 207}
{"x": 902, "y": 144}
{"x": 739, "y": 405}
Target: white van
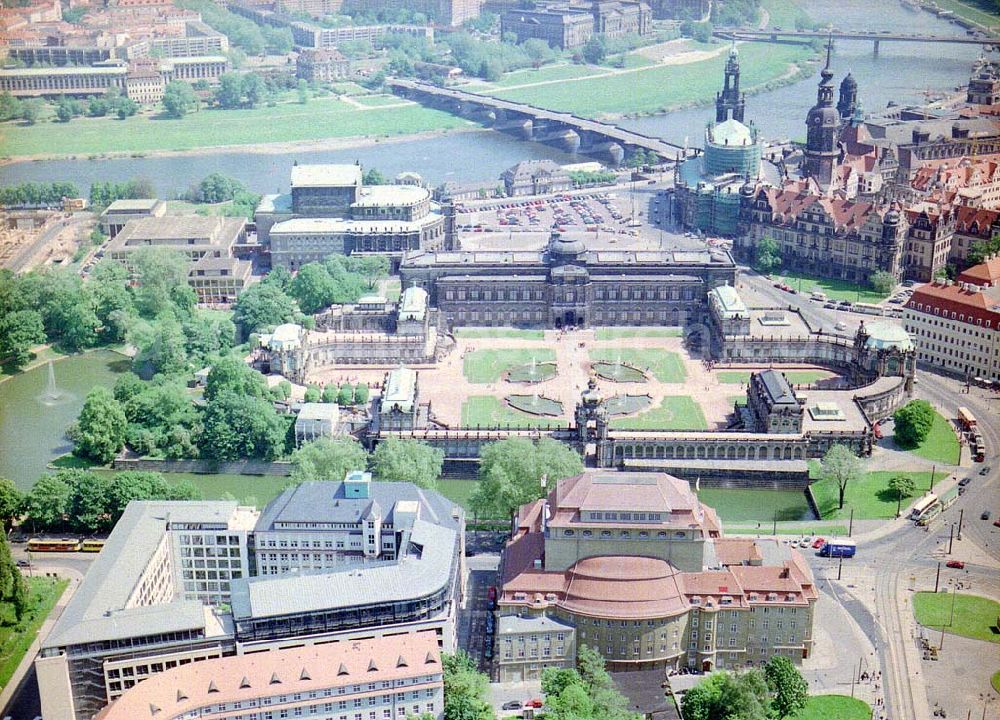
{"x": 820, "y": 296}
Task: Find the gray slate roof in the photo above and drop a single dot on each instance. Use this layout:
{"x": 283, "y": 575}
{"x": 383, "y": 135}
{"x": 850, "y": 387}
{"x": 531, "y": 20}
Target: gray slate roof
{"x": 777, "y": 388}
{"x": 324, "y": 501}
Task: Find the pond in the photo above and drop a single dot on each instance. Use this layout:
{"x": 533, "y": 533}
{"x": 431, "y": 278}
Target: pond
{"x": 627, "y": 404}
{"x": 618, "y": 372}
{"x": 535, "y": 404}
{"x": 532, "y": 372}
{"x": 33, "y": 424}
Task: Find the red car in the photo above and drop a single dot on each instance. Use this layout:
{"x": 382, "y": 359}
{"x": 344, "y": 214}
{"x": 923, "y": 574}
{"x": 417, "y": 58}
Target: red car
{"x": 819, "y": 542}
{"x": 534, "y": 703}
{"x": 957, "y": 564}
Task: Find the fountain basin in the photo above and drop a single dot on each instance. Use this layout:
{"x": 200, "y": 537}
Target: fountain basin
{"x": 532, "y": 372}
{"x": 535, "y": 405}
{"x": 618, "y": 372}
{"x": 628, "y": 404}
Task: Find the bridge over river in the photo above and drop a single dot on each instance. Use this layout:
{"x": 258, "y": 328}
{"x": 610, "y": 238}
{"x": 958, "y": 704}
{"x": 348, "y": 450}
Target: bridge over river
{"x": 875, "y": 37}
{"x": 568, "y": 132}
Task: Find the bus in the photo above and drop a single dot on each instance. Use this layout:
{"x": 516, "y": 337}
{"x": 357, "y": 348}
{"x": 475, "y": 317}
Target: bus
{"x": 868, "y": 309}
{"x": 92, "y": 545}
{"x": 53, "y": 545}
{"x": 978, "y": 447}
{"x": 923, "y": 505}
{"x": 839, "y": 548}
{"x": 966, "y": 419}
{"x": 932, "y": 512}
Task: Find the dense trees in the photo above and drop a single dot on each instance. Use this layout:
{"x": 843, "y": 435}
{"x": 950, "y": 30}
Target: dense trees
{"x": 882, "y": 282}
{"x": 99, "y": 433}
{"x": 586, "y": 693}
{"x": 103, "y": 194}
{"x": 913, "y": 423}
{"x": 240, "y": 90}
{"x": 466, "y": 690}
{"x": 237, "y": 426}
{"x": 337, "y": 280}
{"x": 179, "y": 99}
{"x": 10, "y": 503}
{"x": 37, "y": 194}
{"x": 263, "y": 305}
{"x": 407, "y": 461}
{"x": 13, "y": 586}
{"x": 767, "y": 257}
{"x": 789, "y": 690}
{"x": 19, "y": 332}
{"x": 251, "y": 38}
{"x": 981, "y": 249}
{"x": 328, "y": 459}
{"x": 88, "y": 502}
{"x": 842, "y": 466}
{"x": 511, "y": 473}
{"x": 777, "y": 692}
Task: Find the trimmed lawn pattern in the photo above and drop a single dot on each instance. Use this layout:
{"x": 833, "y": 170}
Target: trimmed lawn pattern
{"x": 486, "y": 366}
{"x": 320, "y": 118}
{"x": 830, "y": 707}
{"x": 16, "y": 638}
{"x": 941, "y": 443}
{"x": 676, "y": 412}
{"x": 974, "y": 615}
{"x": 487, "y": 332}
{"x": 795, "y": 377}
{"x": 834, "y": 289}
{"x": 490, "y": 411}
{"x": 664, "y": 365}
{"x": 870, "y": 498}
{"x": 745, "y": 504}
{"x": 614, "y": 333}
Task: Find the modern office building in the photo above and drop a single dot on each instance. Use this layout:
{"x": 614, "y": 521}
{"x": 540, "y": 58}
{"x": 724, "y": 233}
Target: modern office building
{"x": 633, "y": 565}
{"x": 119, "y": 212}
{"x": 372, "y": 679}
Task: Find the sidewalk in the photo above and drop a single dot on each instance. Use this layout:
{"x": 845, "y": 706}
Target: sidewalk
{"x": 8, "y": 692}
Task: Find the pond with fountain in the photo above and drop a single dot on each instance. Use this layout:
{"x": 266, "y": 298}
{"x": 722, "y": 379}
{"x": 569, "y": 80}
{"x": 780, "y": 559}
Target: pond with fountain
{"x": 627, "y": 404}
{"x": 535, "y": 404}
{"x": 618, "y": 371}
{"x": 533, "y": 372}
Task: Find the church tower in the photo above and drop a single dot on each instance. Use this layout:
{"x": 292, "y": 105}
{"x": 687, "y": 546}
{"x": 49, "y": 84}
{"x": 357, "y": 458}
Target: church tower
{"x": 822, "y": 130}
{"x": 730, "y": 102}
{"x": 848, "y": 97}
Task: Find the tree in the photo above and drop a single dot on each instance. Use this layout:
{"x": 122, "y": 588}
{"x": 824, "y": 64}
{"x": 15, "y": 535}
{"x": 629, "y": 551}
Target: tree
{"x": 313, "y": 288}
{"x": 330, "y": 393}
{"x": 396, "y": 460}
{"x": 100, "y": 428}
{"x": 360, "y": 394}
{"x": 312, "y": 394}
{"x": 982, "y": 249}
{"x": 555, "y": 680}
{"x": 237, "y": 426}
{"x": 345, "y": 394}
{"x": 161, "y": 275}
{"x": 328, "y": 459}
{"x": 30, "y": 110}
{"x": 538, "y": 51}
{"x": 372, "y": 176}
{"x": 767, "y": 257}
{"x": 466, "y": 690}
{"x": 47, "y": 505}
{"x": 10, "y": 503}
{"x": 253, "y": 89}
{"x": 229, "y": 94}
{"x": 373, "y": 267}
{"x": 902, "y": 486}
{"x": 64, "y": 111}
{"x": 126, "y": 107}
{"x": 19, "y": 332}
{"x": 594, "y": 51}
{"x": 302, "y": 88}
{"x": 913, "y": 423}
{"x": 89, "y": 511}
{"x": 10, "y": 107}
{"x": 179, "y": 99}
{"x": 725, "y": 696}
{"x": 789, "y": 689}
{"x": 262, "y": 305}
{"x": 841, "y": 466}
{"x": 232, "y": 376}
{"x": 13, "y": 586}
{"x": 511, "y": 471}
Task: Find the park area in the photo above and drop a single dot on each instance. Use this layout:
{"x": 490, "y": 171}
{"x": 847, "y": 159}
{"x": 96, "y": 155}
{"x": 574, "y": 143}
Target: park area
{"x": 834, "y": 707}
{"x": 970, "y": 616}
{"x": 834, "y": 289}
{"x": 871, "y": 498}
{"x": 17, "y": 636}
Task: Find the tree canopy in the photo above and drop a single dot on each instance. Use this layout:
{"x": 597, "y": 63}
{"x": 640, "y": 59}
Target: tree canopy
{"x": 99, "y": 433}
{"x": 841, "y": 466}
{"x": 511, "y": 471}
{"x": 913, "y": 423}
{"x": 263, "y": 305}
{"x": 466, "y": 690}
{"x": 396, "y": 460}
{"x": 328, "y": 459}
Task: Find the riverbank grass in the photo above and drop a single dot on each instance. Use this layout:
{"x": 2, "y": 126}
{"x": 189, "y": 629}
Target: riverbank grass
{"x": 675, "y": 412}
{"x": 941, "y": 443}
{"x": 16, "y": 637}
{"x": 974, "y": 616}
{"x": 978, "y": 11}
{"x": 490, "y": 411}
{"x": 667, "y": 367}
{"x": 827, "y": 707}
{"x": 487, "y": 366}
{"x": 871, "y": 498}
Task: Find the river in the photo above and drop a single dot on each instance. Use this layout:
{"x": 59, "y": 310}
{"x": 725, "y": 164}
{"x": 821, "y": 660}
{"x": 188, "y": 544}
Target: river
{"x": 901, "y": 73}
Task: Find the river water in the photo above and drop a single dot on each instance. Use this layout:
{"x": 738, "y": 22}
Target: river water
{"x": 900, "y": 73}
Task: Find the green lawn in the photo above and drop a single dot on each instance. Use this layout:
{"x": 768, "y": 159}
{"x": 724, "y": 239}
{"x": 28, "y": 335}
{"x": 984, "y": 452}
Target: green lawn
{"x": 870, "y": 498}
{"x": 616, "y": 333}
{"x": 247, "y": 489}
{"x": 664, "y": 365}
{"x": 737, "y": 399}
{"x": 392, "y": 289}
{"x": 349, "y": 88}
{"x": 489, "y": 332}
{"x": 983, "y": 12}
{"x": 486, "y": 366}
{"x": 379, "y": 100}
{"x": 16, "y": 637}
{"x": 941, "y": 443}
{"x": 764, "y": 528}
{"x": 753, "y": 505}
{"x": 319, "y": 119}
{"x": 676, "y": 412}
{"x": 659, "y": 87}
{"x": 543, "y": 74}
{"x": 796, "y": 377}
{"x": 834, "y": 707}
{"x": 995, "y": 681}
{"x": 487, "y": 411}
{"x": 975, "y": 616}
{"x": 783, "y": 13}
{"x": 834, "y": 289}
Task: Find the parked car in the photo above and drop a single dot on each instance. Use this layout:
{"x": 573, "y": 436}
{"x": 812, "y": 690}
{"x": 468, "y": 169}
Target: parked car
{"x": 997, "y": 522}
{"x": 965, "y": 481}
{"x": 534, "y": 703}
{"x": 957, "y": 564}
{"x": 985, "y": 470}
{"x": 512, "y": 705}
{"x": 985, "y": 515}
{"x": 819, "y": 542}
{"x": 23, "y": 563}
{"x": 806, "y": 541}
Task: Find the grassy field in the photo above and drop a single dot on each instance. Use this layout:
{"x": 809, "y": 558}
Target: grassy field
{"x": 978, "y": 11}
{"x": 995, "y": 681}
{"x": 834, "y": 289}
{"x": 783, "y": 13}
{"x": 546, "y": 73}
{"x": 658, "y": 87}
{"x": 676, "y": 412}
{"x": 319, "y": 119}
{"x": 247, "y": 489}
{"x": 870, "y": 498}
{"x": 764, "y": 528}
{"x": 614, "y": 333}
{"x": 828, "y": 707}
{"x": 796, "y": 377}
{"x": 16, "y": 637}
{"x": 487, "y": 410}
{"x": 378, "y": 100}
{"x": 487, "y": 332}
{"x": 745, "y": 504}
{"x": 486, "y": 366}
{"x": 974, "y": 618}
{"x": 941, "y": 443}
{"x": 665, "y": 366}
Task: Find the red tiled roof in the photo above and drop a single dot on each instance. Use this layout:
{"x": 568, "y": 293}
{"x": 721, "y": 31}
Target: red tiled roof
{"x": 982, "y": 305}
{"x": 987, "y": 273}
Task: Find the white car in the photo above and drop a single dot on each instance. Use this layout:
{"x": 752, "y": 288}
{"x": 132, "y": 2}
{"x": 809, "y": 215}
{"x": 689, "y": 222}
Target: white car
{"x": 806, "y": 541}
